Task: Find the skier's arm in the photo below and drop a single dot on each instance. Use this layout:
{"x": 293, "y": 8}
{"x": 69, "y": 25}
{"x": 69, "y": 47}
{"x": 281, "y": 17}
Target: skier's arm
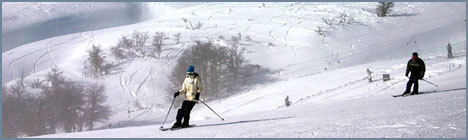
{"x": 407, "y": 68}
{"x": 199, "y": 88}
{"x": 182, "y": 90}
{"x": 423, "y": 69}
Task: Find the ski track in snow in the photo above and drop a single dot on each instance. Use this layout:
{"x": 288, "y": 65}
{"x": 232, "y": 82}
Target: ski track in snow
{"x": 324, "y": 91}
{"x": 281, "y": 26}
{"x": 23, "y": 56}
{"x": 286, "y": 37}
{"x": 136, "y": 94}
{"x": 46, "y": 53}
{"x": 91, "y": 39}
{"x": 122, "y": 81}
{"x": 50, "y": 55}
{"x": 137, "y": 90}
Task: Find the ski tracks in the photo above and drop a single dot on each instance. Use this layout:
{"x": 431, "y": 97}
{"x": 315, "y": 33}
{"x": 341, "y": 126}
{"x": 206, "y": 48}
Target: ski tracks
{"x": 285, "y": 40}
{"x": 322, "y": 92}
{"x": 137, "y": 91}
{"x": 49, "y": 51}
{"x": 91, "y": 39}
{"x": 46, "y": 53}
{"x": 281, "y": 26}
{"x": 21, "y": 57}
{"x": 123, "y": 82}
{"x": 286, "y": 37}
{"x": 50, "y": 56}
{"x": 126, "y": 81}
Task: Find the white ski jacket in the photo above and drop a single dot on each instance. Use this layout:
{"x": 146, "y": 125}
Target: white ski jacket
{"x": 191, "y": 86}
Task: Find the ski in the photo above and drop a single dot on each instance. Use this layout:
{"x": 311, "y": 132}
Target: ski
{"x": 165, "y": 129}
{"x": 406, "y": 95}
{"x": 401, "y": 95}
{"x": 173, "y": 129}
{"x": 397, "y": 96}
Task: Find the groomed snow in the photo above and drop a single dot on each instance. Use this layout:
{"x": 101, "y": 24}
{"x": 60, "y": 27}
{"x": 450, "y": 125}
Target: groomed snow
{"x": 324, "y": 77}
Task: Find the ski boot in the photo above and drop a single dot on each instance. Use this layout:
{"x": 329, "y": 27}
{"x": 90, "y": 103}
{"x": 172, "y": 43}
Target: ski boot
{"x": 176, "y": 125}
{"x": 406, "y": 93}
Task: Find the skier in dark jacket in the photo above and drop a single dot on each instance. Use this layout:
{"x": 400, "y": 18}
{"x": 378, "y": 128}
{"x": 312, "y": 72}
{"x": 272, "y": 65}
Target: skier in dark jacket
{"x": 417, "y": 68}
{"x": 191, "y": 89}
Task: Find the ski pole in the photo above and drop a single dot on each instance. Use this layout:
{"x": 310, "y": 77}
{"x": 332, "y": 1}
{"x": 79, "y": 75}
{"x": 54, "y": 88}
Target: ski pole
{"x": 430, "y": 82}
{"x": 211, "y": 109}
{"x": 167, "y": 113}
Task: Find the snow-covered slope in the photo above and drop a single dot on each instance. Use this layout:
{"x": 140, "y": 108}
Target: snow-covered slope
{"x": 324, "y": 76}
{"x": 357, "y": 109}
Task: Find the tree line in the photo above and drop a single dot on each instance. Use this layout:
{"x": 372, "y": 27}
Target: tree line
{"x": 223, "y": 69}
{"x": 53, "y": 104}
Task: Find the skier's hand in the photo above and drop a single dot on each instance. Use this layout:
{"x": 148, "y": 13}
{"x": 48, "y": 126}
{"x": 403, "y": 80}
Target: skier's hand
{"x": 406, "y": 74}
{"x": 420, "y": 78}
{"x": 176, "y": 94}
{"x": 197, "y": 96}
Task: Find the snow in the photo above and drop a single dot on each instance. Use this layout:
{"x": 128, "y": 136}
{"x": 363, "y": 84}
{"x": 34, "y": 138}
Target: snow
{"x": 324, "y": 76}
{"x": 431, "y": 115}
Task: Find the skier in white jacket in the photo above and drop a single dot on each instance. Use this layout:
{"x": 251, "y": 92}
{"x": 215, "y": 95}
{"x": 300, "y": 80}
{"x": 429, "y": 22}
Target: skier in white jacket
{"x": 191, "y": 89}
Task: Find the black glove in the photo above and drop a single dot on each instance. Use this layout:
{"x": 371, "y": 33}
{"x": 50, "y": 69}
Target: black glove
{"x": 197, "y": 97}
{"x": 176, "y": 94}
{"x": 420, "y": 78}
{"x": 406, "y": 74}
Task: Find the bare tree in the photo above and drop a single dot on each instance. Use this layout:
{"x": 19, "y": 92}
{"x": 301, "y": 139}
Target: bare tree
{"x": 118, "y": 53}
{"x": 20, "y": 116}
{"x": 9, "y": 115}
{"x": 235, "y": 61}
{"x": 384, "y": 8}
{"x": 125, "y": 48}
{"x": 217, "y": 66}
{"x": 37, "y": 83}
{"x": 19, "y": 88}
{"x": 95, "y": 110}
{"x": 158, "y": 42}
{"x": 60, "y": 105}
{"x": 65, "y": 101}
{"x": 74, "y": 98}
{"x": 97, "y": 64}
{"x": 140, "y": 41}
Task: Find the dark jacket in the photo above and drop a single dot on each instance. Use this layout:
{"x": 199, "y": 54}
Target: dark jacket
{"x": 416, "y": 66}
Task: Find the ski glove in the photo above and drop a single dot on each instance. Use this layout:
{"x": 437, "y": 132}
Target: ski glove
{"x": 176, "y": 94}
{"x": 197, "y": 97}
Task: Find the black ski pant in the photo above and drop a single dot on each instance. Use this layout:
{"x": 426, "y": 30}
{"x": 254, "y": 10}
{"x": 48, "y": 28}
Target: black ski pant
{"x": 413, "y": 79}
{"x": 184, "y": 112}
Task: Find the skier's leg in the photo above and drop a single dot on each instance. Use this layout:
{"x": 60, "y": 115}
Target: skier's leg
{"x": 189, "y": 108}
{"x": 408, "y": 86}
{"x": 416, "y": 85}
{"x": 180, "y": 115}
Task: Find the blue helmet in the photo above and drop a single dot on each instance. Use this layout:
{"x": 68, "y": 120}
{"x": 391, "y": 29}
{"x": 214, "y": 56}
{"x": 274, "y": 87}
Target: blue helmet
{"x": 191, "y": 69}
